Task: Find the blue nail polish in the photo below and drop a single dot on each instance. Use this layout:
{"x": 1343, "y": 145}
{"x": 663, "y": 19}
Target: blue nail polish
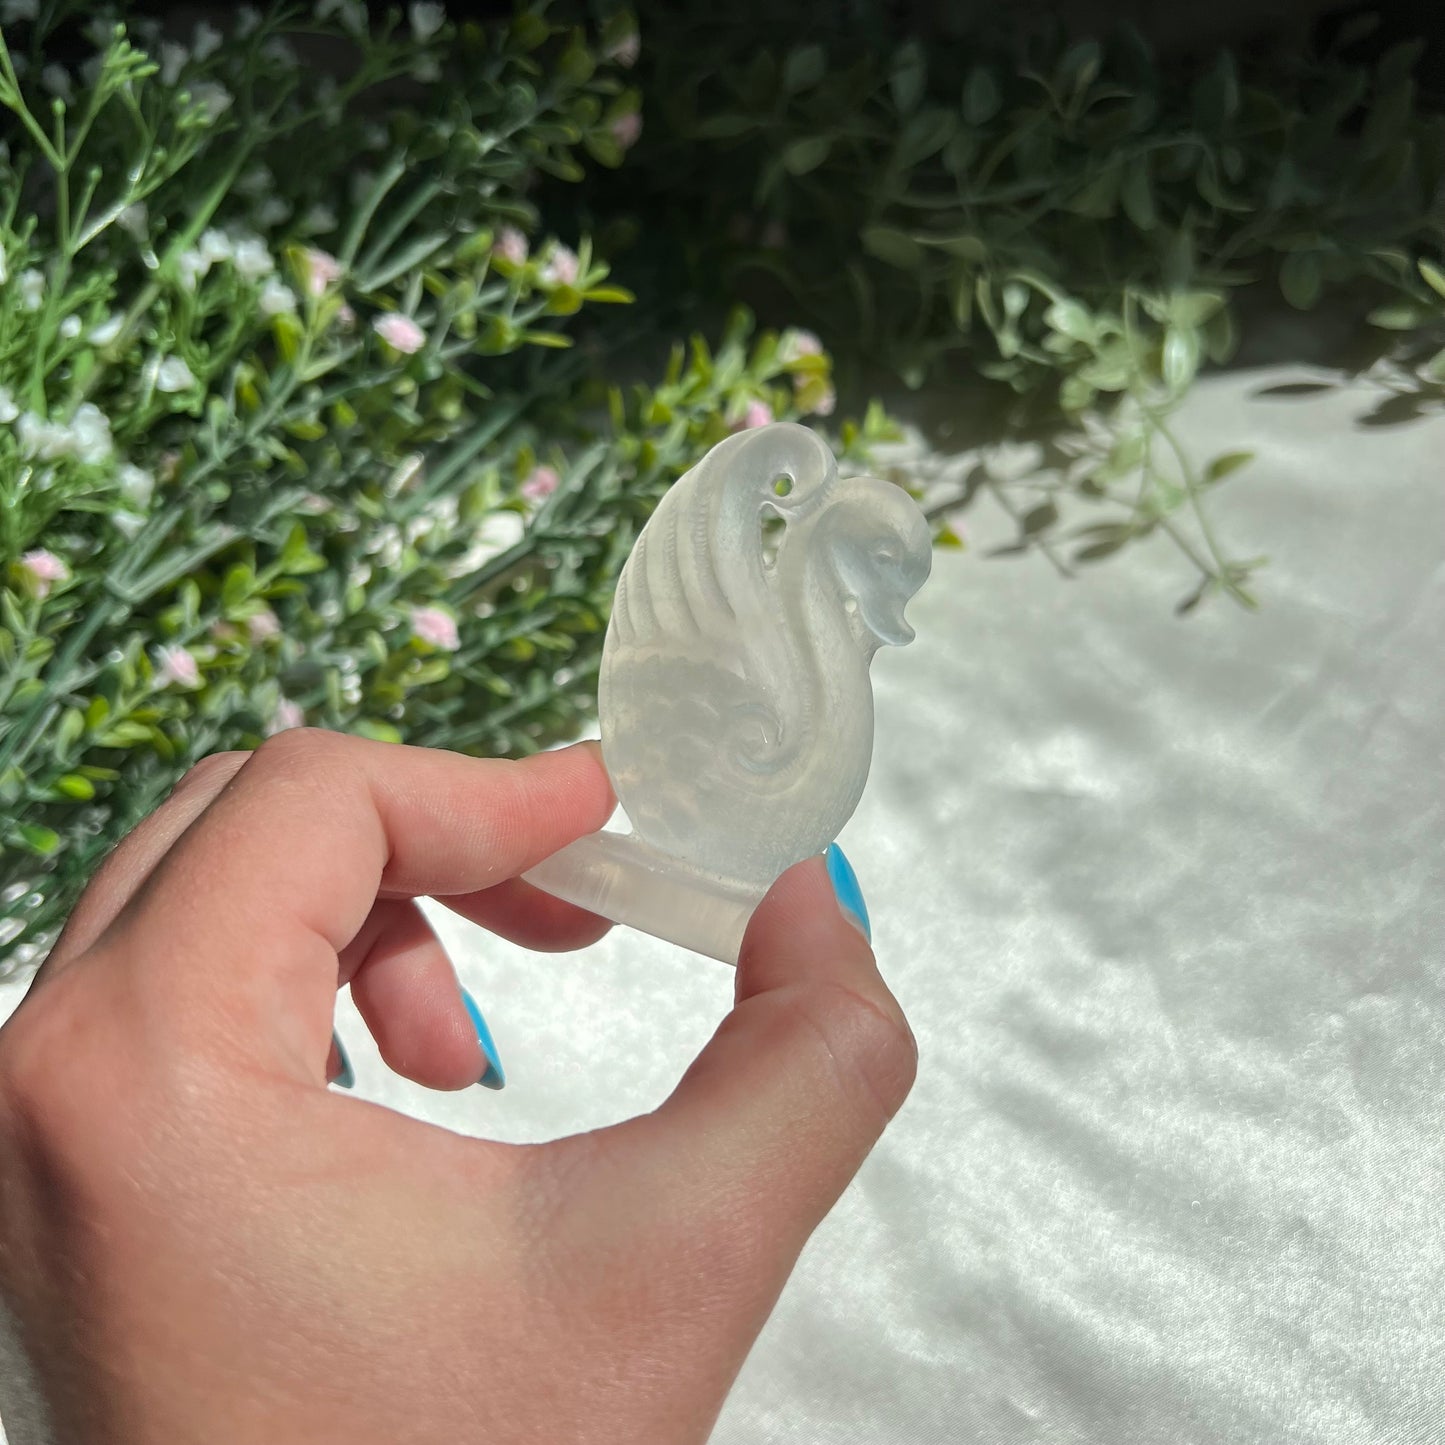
{"x": 494, "y": 1078}
{"x": 346, "y": 1079}
{"x": 849, "y": 894}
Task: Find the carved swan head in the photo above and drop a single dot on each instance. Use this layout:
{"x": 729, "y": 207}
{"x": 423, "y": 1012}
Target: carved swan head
{"x": 872, "y": 544}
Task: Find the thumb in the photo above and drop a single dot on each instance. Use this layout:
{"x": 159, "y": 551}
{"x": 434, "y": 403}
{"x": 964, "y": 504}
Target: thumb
{"x": 776, "y": 1114}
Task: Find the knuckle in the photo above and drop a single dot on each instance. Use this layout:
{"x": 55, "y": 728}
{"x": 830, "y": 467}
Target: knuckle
{"x": 868, "y": 1045}
{"x": 299, "y": 747}
{"x": 212, "y": 770}
{"x": 45, "y": 1101}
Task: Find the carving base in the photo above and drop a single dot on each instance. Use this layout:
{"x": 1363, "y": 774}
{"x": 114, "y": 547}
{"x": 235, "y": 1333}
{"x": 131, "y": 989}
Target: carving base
{"x": 618, "y": 876}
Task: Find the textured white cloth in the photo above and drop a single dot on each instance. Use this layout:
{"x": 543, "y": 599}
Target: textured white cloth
{"x": 1165, "y": 902}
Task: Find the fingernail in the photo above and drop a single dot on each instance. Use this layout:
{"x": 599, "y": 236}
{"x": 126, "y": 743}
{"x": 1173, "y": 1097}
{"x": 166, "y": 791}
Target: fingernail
{"x": 494, "y": 1078}
{"x": 847, "y": 891}
{"x": 345, "y": 1075}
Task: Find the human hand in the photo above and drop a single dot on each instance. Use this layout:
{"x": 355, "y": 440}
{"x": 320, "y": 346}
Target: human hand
{"x": 201, "y": 1242}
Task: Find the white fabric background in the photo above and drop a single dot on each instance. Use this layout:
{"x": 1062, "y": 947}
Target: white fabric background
{"x": 1165, "y": 901}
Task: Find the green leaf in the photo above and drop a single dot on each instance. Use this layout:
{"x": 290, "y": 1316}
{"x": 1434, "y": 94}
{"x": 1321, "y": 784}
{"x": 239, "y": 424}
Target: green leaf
{"x": 1180, "y": 358}
{"x": 804, "y": 68}
{"x": 982, "y": 99}
{"x": 1071, "y": 319}
{"x": 928, "y": 131}
{"x": 1399, "y": 316}
{"x": 1226, "y": 463}
{"x": 1137, "y": 194}
{"x": 609, "y": 295}
{"x": 69, "y": 731}
{"x": 38, "y": 839}
{"x": 374, "y": 728}
{"x": 1301, "y": 278}
{"x": 908, "y": 77}
{"x": 1434, "y": 276}
{"x": 895, "y": 247}
{"x": 807, "y": 154}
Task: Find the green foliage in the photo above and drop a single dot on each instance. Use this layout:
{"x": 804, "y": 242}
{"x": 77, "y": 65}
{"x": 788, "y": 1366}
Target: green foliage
{"x": 1074, "y": 223}
{"x": 295, "y": 427}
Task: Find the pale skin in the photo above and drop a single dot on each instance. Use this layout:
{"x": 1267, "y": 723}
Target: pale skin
{"x": 201, "y": 1242}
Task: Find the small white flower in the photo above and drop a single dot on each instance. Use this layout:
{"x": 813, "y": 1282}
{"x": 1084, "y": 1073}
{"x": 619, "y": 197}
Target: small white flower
{"x": 276, "y": 297}
{"x": 257, "y": 181}
{"x": 190, "y": 267}
{"x": 99, "y": 30}
{"x": 758, "y": 413}
{"x": 56, "y": 79}
{"x": 31, "y": 284}
{"x": 134, "y": 219}
{"x": 263, "y": 626}
{"x": 426, "y": 69}
{"x": 426, "y": 18}
{"x": 41, "y": 438}
{"x": 322, "y": 268}
{"x": 205, "y": 41}
{"x": 8, "y": 410}
{"x": 435, "y": 627}
{"x": 351, "y": 13}
{"x": 128, "y": 524}
{"x": 136, "y": 485}
{"x": 174, "y": 375}
{"x": 70, "y": 328}
{"x": 13, "y": 10}
{"x": 90, "y": 433}
{"x": 214, "y": 99}
{"x": 288, "y": 715}
{"x": 541, "y": 482}
{"x": 173, "y": 61}
{"x": 797, "y": 343}
{"x": 44, "y": 569}
{"x": 90, "y": 71}
{"x": 626, "y": 129}
{"x": 214, "y": 246}
{"x": 625, "y": 50}
{"x": 176, "y": 666}
{"x": 510, "y": 245}
{"x": 496, "y": 534}
{"x": 825, "y": 403}
{"x": 280, "y": 52}
{"x": 400, "y": 332}
{"x": 247, "y": 19}
{"x": 251, "y": 258}
{"x": 272, "y": 212}
{"x": 561, "y": 267}
{"x": 319, "y": 218}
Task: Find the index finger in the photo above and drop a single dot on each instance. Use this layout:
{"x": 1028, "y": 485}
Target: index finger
{"x": 250, "y": 907}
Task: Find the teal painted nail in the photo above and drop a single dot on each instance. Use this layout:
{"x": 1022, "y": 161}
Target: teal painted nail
{"x": 494, "y": 1078}
{"x": 849, "y": 894}
{"x": 346, "y": 1079}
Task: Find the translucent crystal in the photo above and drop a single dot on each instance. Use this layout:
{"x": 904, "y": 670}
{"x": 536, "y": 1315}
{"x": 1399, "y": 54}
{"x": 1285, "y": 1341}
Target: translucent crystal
{"x": 735, "y": 703}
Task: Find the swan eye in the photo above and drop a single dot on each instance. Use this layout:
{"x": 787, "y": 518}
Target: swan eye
{"x": 884, "y": 555}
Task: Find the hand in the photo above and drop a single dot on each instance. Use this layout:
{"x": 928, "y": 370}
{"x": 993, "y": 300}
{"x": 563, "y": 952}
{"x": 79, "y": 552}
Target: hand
{"x": 201, "y": 1242}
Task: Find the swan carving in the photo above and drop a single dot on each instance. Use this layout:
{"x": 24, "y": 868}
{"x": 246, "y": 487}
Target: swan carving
{"x": 735, "y": 703}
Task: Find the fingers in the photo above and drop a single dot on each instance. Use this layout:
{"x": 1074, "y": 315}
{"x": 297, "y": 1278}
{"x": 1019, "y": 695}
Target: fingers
{"x": 530, "y": 918}
{"x": 777, "y": 1113}
{"x": 406, "y": 990}
{"x": 246, "y": 914}
{"x": 132, "y": 860}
